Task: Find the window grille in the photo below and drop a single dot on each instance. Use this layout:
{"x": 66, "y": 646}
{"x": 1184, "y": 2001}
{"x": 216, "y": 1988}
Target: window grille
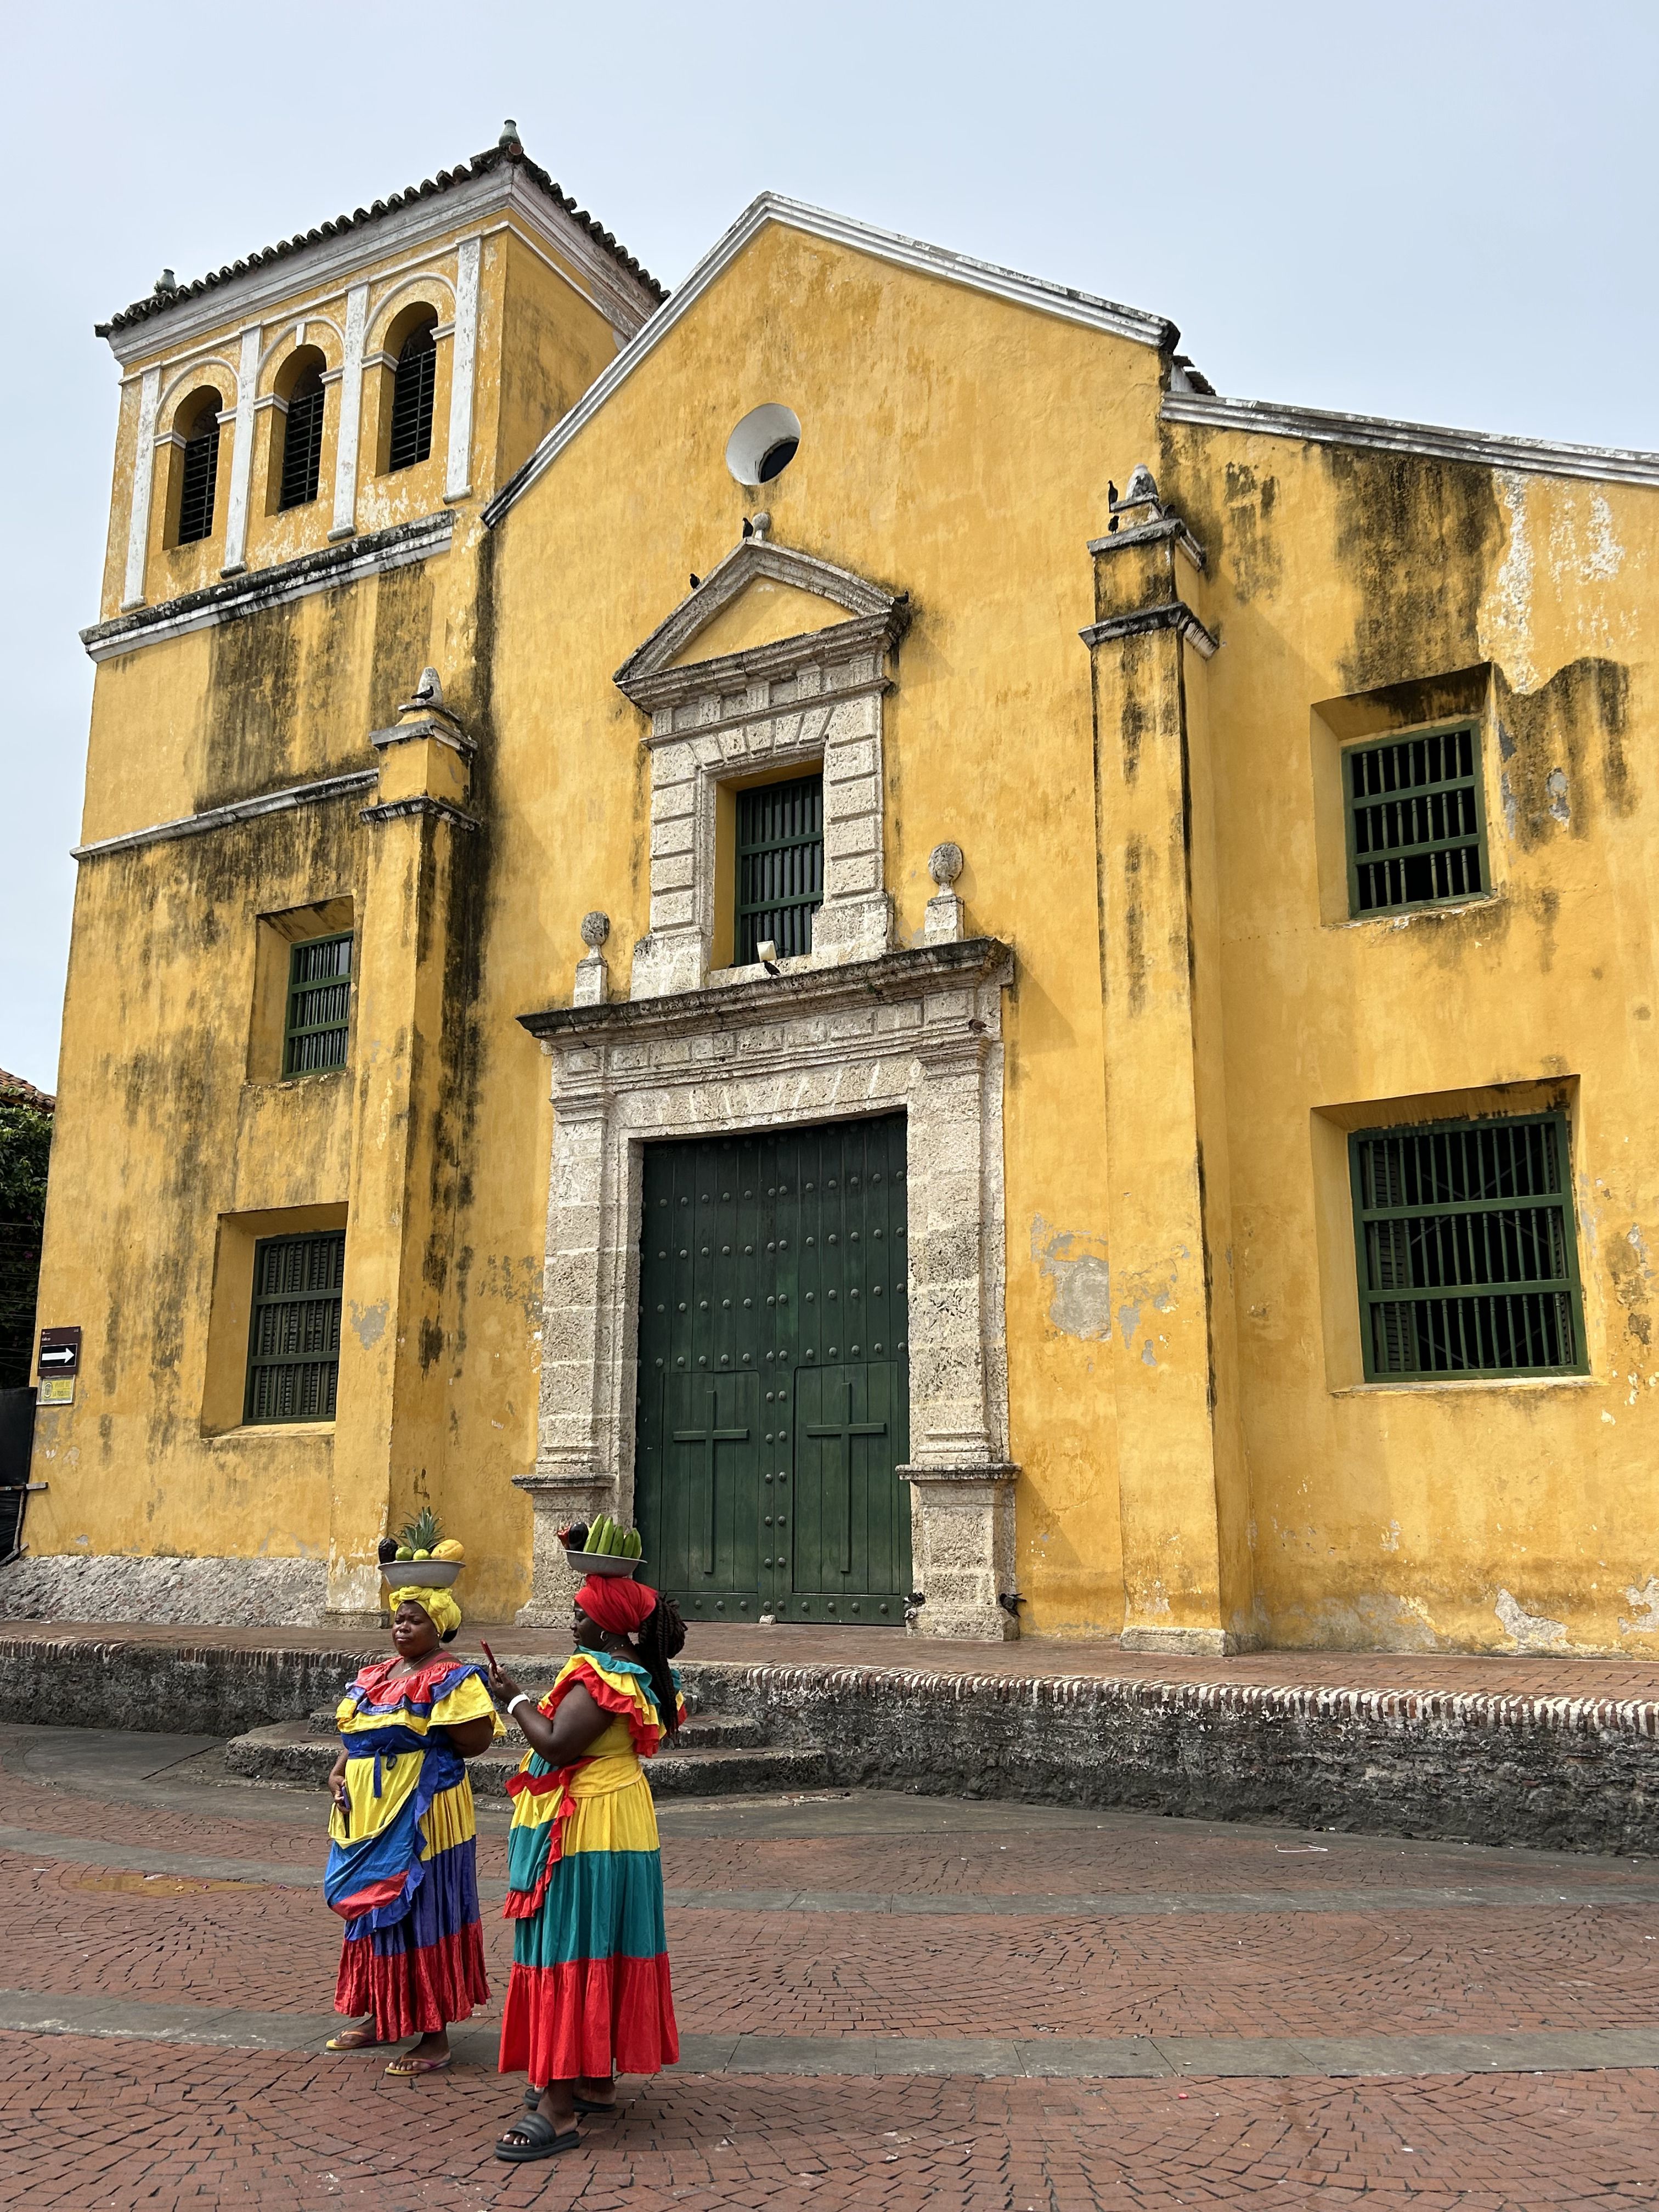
{"x": 1416, "y": 821}
{"x": 1468, "y": 1260}
{"x": 302, "y": 443}
{"x": 318, "y": 1005}
{"x": 294, "y": 1343}
{"x": 780, "y": 870}
{"x": 411, "y": 400}
{"x": 201, "y": 474}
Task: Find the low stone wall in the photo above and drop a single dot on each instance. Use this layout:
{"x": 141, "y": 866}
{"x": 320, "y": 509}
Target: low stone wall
{"x": 197, "y": 1593}
{"x": 1558, "y": 1772}
{"x": 173, "y": 1689}
{"x": 1554, "y": 1772}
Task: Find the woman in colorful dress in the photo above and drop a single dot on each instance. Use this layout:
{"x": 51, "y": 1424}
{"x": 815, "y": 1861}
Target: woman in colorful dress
{"x": 402, "y": 1862}
{"x": 589, "y": 1997}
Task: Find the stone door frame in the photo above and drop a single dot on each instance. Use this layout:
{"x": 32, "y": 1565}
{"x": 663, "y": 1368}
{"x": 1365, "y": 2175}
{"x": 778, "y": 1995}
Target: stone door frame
{"x": 917, "y": 1031}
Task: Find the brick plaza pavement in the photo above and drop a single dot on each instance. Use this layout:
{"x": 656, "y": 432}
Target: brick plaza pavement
{"x": 885, "y": 2002}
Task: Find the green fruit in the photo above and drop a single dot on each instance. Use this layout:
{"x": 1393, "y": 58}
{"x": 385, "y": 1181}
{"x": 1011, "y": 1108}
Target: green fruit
{"x": 596, "y": 1536}
{"x": 631, "y": 1547}
{"x": 424, "y": 1555}
{"x": 613, "y": 1540}
{"x": 404, "y": 1552}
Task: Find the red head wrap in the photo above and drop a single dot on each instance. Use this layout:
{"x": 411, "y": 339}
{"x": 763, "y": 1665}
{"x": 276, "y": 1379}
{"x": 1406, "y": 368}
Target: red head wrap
{"x": 616, "y": 1602}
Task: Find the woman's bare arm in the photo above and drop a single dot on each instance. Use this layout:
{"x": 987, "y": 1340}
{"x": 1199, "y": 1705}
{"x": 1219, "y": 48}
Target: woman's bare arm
{"x": 470, "y": 1737}
{"x": 579, "y": 1722}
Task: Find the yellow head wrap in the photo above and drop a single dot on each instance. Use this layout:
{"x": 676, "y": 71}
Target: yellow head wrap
{"x": 438, "y": 1604}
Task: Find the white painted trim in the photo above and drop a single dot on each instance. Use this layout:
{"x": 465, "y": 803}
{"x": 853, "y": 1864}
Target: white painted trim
{"x": 351, "y": 408}
{"x": 241, "y": 454}
{"x": 1541, "y": 456}
{"x": 841, "y": 230}
{"x": 240, "y": 810}
{"x": 326, "y": 269}
{"x": 423, "y": 540}
{"x": 144, "y": 477}
{"x": 458, "y": 480}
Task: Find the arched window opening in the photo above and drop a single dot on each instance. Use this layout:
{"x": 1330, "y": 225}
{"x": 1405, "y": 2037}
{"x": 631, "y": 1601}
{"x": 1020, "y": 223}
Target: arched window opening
{"x": 302, "y": 441}
{"x": 199, "y": 477}
{"x": 411, "y": 400}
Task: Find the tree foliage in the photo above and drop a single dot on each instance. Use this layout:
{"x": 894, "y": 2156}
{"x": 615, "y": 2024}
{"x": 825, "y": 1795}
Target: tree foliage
{"x": 25, "y": 1153}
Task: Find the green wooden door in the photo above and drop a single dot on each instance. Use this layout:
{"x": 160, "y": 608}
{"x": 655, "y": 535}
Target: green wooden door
{"x": 773, "y": 1380}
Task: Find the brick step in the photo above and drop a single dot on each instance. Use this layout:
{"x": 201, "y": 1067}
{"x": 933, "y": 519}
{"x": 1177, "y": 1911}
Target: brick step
{"x": 700, "y": 1731}
{"x": 706, "y": 1763}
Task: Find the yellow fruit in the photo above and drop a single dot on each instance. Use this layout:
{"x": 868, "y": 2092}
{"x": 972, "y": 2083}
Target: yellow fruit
{"x": 424, "y": 1555}
{"x": 449, "y": 1549}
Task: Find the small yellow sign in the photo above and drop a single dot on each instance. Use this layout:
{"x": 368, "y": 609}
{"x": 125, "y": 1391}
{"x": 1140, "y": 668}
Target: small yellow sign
{"x": 56, "y": 1390}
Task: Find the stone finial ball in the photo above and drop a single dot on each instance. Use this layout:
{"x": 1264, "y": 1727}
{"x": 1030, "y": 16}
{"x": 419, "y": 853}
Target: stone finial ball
{"x": 596, "y": 927}
{"x": 945, "y": 864}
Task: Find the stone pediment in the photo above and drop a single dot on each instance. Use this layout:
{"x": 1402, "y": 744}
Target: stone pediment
{"x": 765, "y": 608}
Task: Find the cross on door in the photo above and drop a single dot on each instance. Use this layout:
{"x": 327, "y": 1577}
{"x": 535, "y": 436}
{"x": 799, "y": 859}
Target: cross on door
{"x": 845, "y": 1430}
{"x": 709, "y": 1438}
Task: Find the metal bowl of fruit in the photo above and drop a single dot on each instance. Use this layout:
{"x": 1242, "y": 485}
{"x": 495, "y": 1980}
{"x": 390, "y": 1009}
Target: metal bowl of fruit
{"x": 421, "y": 1574}
{"x": 603, "y": 1549}
{"x": 599, "y": 1562}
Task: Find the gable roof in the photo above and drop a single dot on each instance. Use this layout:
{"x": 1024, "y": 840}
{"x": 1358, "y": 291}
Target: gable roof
{"x": 508, "y": 153}
{"x": 1061, "y": 299}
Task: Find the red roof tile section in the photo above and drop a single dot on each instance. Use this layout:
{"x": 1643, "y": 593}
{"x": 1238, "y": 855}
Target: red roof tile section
{"x": 13, "y": 1092}
{"x": 159, "y": 301}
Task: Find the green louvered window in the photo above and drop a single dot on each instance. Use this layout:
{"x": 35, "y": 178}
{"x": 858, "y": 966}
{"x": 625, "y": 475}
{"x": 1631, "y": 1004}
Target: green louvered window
{"x": 294, "y": 1343}
{"x": 413, "y": 386}
{"x": 318, "y": 1005}
{"x": 302, "y": 443}
{"x": 1468, "y": 1262}
{"x": 200, "y": 477}
{"x": 780, "y": 872}
{"x": 1417, "y": 829}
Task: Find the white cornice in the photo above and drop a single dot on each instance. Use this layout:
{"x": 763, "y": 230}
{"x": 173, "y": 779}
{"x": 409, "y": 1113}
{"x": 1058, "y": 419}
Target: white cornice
{"x": 1263, "y": 418}
{"x": 889, "y": 246}
{"x": 325, "y": 570}
{"x": 239, "y": 810}
{"x": 330, "y": 265}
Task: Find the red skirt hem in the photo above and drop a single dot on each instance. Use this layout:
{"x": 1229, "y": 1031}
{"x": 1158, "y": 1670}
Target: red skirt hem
{"x": 590, "y": 2018}
{"x": 414, "y": 1992}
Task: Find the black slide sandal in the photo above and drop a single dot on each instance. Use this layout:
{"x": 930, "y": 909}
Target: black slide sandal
{"x": 538, "y": 2138}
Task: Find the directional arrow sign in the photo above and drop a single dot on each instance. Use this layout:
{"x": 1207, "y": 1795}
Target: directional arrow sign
{"x": 60, "y": 1351}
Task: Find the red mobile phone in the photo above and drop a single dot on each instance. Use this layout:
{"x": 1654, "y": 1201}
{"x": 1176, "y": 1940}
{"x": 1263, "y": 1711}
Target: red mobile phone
{"x": 487, "y": 1653}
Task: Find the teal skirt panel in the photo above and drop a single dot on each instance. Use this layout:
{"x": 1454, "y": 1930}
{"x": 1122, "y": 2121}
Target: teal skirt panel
{"x": 599, "y": 1905}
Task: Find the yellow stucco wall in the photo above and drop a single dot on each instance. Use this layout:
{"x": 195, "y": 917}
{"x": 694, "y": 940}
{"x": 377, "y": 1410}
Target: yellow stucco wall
{"x": 956, "y": 447}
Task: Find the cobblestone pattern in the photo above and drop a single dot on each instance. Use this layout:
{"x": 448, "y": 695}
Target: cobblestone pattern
{"x": 91, "y": 2124}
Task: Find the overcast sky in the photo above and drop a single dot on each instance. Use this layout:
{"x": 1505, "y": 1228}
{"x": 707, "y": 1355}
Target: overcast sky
{"x": 1439, "y": 212}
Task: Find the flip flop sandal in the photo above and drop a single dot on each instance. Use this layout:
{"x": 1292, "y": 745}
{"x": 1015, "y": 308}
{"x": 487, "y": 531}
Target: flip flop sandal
{"x": 538, "y": 2138}
{"x": 407, "y": 2068}
{"x": 354, "y": 2039}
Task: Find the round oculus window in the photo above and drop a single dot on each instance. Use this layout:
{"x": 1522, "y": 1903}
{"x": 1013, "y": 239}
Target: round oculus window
{"x": 763, "y": 444}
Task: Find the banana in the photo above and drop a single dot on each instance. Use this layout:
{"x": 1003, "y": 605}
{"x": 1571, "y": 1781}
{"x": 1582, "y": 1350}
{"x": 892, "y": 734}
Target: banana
{"x": 631, "y": 1545}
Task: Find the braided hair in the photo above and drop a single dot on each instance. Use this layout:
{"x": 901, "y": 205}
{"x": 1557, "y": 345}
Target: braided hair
{"x": 662, "y": 1637}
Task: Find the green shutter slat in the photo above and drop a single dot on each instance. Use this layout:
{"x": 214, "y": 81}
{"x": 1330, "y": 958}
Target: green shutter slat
{"x": 780, "y": 866}
{"x": 318, "y": 1029}
{"x": 1468, "y": 1257}
{"x": 1416, "y": 821}
{"x": 293, "y": 1333}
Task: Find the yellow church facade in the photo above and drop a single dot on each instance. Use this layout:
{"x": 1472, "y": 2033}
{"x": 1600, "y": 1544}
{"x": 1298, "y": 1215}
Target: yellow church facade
{"x": 841, "y": 915}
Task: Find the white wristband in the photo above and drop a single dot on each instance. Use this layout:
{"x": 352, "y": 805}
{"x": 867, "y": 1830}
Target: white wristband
{"x": 524, "y": 1698}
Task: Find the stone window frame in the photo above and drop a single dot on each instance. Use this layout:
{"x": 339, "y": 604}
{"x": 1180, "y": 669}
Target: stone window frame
{"x": 918, "y": 1032}
{"x": 811, "y": 699}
